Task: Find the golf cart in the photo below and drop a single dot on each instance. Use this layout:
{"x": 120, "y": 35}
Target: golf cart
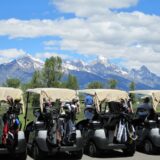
{"x": 12, "y": 139}
{"x": 49, "y": 126}
{"x": 111, "y": 126}
{"x": 148, "y": 127}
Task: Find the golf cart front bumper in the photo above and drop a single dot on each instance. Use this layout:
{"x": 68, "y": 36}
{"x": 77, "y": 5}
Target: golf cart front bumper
{"x": 45, "y": 147}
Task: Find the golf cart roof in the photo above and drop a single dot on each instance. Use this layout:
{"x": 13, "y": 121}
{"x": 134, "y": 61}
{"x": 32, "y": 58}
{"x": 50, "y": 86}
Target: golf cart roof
{"x": 15, "y": 93}
{"x": 154, "y": 94}
{"x": 145, "y": 92}
{"x": 107, "y": 94}
{"x": 54, "y": 93}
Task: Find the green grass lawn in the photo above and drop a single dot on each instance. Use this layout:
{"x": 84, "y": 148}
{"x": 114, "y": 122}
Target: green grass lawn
{"x": 80, "y": 116}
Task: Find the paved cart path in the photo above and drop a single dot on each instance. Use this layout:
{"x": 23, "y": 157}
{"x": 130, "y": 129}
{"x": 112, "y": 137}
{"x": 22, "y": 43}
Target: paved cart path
{"x": 114, "y": 155}
{"x": 111, "y": 156}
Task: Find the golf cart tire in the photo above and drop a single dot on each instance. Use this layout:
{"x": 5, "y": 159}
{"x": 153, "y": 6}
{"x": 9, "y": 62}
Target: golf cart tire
{"x": 130, "y": 150}
{"x": 37, "y": 153}
{"x": 148, "y": 147}
{"x": 22, "y": 156}
{"x": 77, "y": 154}
{"x": 92, "y": 149}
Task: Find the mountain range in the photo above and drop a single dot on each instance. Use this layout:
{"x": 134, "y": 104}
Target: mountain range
{"x": 98, "y": 70}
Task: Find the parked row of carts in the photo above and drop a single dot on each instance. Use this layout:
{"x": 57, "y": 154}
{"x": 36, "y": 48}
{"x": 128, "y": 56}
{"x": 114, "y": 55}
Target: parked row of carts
{"x": 44, "y": 125}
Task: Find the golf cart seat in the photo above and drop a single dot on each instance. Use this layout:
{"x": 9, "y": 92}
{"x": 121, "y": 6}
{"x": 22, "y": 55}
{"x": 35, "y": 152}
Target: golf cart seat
{"x": 95, "y": 124}
{"x": 39, "y": 125}
{"x": 151, "y": 123}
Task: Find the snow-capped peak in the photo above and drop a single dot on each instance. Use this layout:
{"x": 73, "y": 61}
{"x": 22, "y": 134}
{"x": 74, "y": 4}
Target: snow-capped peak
{"x": 27, "y": 61}
{"x": 74, "y": 65}
{"x": 29, "y": 57}
{"x": 102, "y": 59}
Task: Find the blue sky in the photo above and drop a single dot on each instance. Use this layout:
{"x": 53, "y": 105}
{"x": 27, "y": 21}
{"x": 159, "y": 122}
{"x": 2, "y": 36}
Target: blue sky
{"x": 124, "y": 32}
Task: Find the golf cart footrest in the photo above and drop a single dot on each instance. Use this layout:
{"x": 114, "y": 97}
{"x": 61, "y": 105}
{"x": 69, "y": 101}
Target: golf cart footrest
{"x": 68, "y": 148}
{"x": 4, "y": 150}
{"x": 116, "y": 146}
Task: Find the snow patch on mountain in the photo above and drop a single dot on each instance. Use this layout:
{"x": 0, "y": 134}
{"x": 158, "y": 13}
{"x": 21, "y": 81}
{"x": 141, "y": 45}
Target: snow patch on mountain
{"x": 27, "y": 62}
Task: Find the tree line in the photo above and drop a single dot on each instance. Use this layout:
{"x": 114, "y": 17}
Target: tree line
{"x": 51, "y": 76}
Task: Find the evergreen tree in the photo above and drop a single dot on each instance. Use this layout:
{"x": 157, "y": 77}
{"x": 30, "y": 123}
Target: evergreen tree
{"x": 132, "y": 88}
{"x": 36, "y": 81}
{"x": 72, "y": 82}
{"x": 95, "y": 85}
{"x": 12, "y": 82}
{"x": 112, "y": 83}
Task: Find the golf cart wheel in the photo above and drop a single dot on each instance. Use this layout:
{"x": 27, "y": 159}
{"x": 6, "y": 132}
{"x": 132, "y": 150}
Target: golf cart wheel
{"x": 92, "y": 149}
{"x": 130, "y": 150}
{"x": 148, "y": 146}
{"x": 21, "y": 156}
{"x": 37, "y": 154}
{"x": 77, "y": 154}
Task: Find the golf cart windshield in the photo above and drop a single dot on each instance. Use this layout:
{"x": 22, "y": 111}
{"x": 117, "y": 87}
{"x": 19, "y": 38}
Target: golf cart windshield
{"x": 104, "y": 96}
{"x": 154, "y": 94}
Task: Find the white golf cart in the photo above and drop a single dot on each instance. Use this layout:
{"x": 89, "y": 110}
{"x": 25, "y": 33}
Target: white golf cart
{"x": 49, "y": 128}
{"x": 12, "y": 139}
{"x": 111, "y": 126}
{"x": 148, "y": 127}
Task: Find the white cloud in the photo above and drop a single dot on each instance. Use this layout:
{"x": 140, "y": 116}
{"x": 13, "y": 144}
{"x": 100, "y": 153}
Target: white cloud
{"x": 50, "y": 43}
{"x": 90, "y": 7}
{"x": 15, "y": 28}
{"x": 8, "y": 54}
{"x": 131, "y": 36}
{"x": 45, "y": 55}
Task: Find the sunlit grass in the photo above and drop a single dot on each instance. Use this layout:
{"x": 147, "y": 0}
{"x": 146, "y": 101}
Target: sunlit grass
{"x": 80, "y": 116}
